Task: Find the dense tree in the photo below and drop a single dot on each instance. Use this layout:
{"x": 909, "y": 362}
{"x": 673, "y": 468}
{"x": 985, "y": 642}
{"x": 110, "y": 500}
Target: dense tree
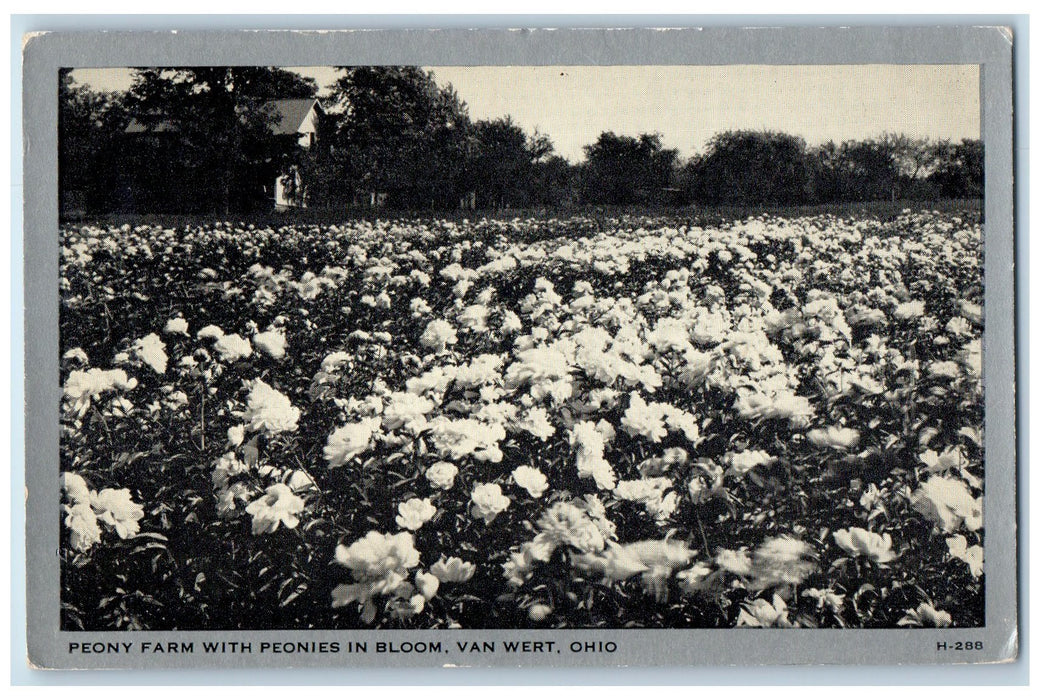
{"x": 399, "y": 133}
{"x": 752, "y": 167}
{"x": 89, "y": 126}
{"x": 200, "y": 140}
{"x": 870, "y": 169}
{"x": 509, "y": 168}
{"x": 501, "y": 165}
{"x": 959, "y": 170}
{"x": 626, "y": 170}
{"x": 208, "y": 133}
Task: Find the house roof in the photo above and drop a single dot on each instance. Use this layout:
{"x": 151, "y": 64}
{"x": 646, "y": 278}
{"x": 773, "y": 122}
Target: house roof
{"x": 137, "y": 127}
{"x": 288, "y": 115}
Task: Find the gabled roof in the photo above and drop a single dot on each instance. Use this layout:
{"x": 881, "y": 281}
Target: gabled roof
{"x": 288, "y": 115}
{"x": 137, "y": 127}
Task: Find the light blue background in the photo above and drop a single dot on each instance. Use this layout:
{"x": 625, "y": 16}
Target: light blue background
{"x": 1004, "y": 674}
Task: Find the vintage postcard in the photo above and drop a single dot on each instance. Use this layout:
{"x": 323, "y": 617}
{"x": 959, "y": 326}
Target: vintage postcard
{"x": 520, "y": 348}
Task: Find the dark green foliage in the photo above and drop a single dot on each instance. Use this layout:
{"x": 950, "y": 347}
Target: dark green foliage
{"x": 207, "y": 144}
{"x": 960, "y": 170}
{"x": 90, "y": 125}
{"x": 391, "y": 136}
{"x": 399, "y": 134}
{"x": 626, "y": 170}
{"x": 752, "y": 167}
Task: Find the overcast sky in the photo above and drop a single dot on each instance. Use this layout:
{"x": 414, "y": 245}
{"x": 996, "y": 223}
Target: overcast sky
{"x": 688, "y": 104}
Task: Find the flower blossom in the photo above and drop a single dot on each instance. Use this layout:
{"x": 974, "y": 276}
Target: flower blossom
{"x": 740, "y": 463}
{"x": 458, "y": 438}
{"x": 278, "y": 506}
{"x": 406, "y": 410}
{"x": 488, "y": 501}
{"x": 271, "y": 343}
{"x": 210, "y": 332}
{"x": 784, "y": 404}
{"x": 75, "y": 488}
{"x": 350, "y": 440}
{"x": 116, "y": 508}
{"x": 268, "y": 410}
{"x": 82, "y": 523}
{"x": 762, "y": 613}
{"x": 859, "y": 542}
{"x": 589, "y": 444}
{"x": 439, "y": 334}
{"x": 441, "y": 475}
{"x": 379, "y": 564}
{"x": 834, "y": 436}
{"x": 972, "y": 556}
{"x": 452, "y": 570}
{"x": 176, "y": 326}
{"x": 82, "y": 387}
{"x": 654, "y": 494}
{"x": 427, "y": 584}
{"x": 782, "y": 560}
{"x": 531, "y": 480}
{"x": 151, "y": 350}
{"x": 645, "y": 420}
{"x": 925, "y": 615}
{"x": 233, "y": 347}
{"x": 415, "y": 512}
{"x": 947, "y": 502}
{"x": 909, "y": 310}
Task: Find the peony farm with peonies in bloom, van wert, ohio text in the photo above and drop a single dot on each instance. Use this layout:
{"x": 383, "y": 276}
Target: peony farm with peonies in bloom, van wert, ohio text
{"x": 576, "y": 422}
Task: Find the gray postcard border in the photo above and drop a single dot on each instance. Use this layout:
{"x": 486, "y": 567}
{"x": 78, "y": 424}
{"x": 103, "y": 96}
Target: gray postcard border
{"x": 988, "y": 46}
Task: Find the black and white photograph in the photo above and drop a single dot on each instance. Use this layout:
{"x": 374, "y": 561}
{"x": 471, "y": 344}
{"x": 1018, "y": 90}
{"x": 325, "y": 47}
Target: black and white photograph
{"x": 510, "y": 347}
{"x": 513, "y": 362}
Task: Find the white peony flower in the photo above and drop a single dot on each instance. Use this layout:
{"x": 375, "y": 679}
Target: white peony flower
{"x": 350, "y": 440}
{"x": 835, "y": 437}
{"x": 740, "y": 463}
{"x": 643, "y": 419}
{"x": 151, "y": 350}
{"x": 439, "y": 334}
{"x": 909, "y": 310}
{"x": 531, "y": 480}
{"x": 948, "y": 503}
{"x": 972, "y": 556}
{"x": 408, "y": 411}
{"x": 278, "y": 506}
{"x": 232, "y": 347}
{"x": 589, "y": 443}
{"x": 415, "y": 512}
{"x": 176, "y": 326}
{"x": 116, "y": 508}
{"x": 210, "y": 332}
{"x": 442, "y": 475}
{"x": 83, "y": 387}
{"x": 474, "y": 318}
{"x": 452, "y": 570}
{"x": 269, "y": 410}
{"x": 82, "y": 522}
{"x": 75, "y": 488}
{"x": 859, "y": 542}
{"x": 271, "y": 343}
{"x": 427, "y": 584}
{"x": 488, "y": 501}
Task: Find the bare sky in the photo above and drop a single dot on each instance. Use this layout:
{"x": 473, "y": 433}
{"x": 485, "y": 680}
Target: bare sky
{"x": 688, "y": 104}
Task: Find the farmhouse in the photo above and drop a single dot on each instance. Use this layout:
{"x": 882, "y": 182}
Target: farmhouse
{"x": 294, "y": 118}
{"x": 294, "y": 122}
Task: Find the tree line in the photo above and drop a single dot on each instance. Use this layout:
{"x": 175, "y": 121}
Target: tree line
{"x": 203, "y": 143}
